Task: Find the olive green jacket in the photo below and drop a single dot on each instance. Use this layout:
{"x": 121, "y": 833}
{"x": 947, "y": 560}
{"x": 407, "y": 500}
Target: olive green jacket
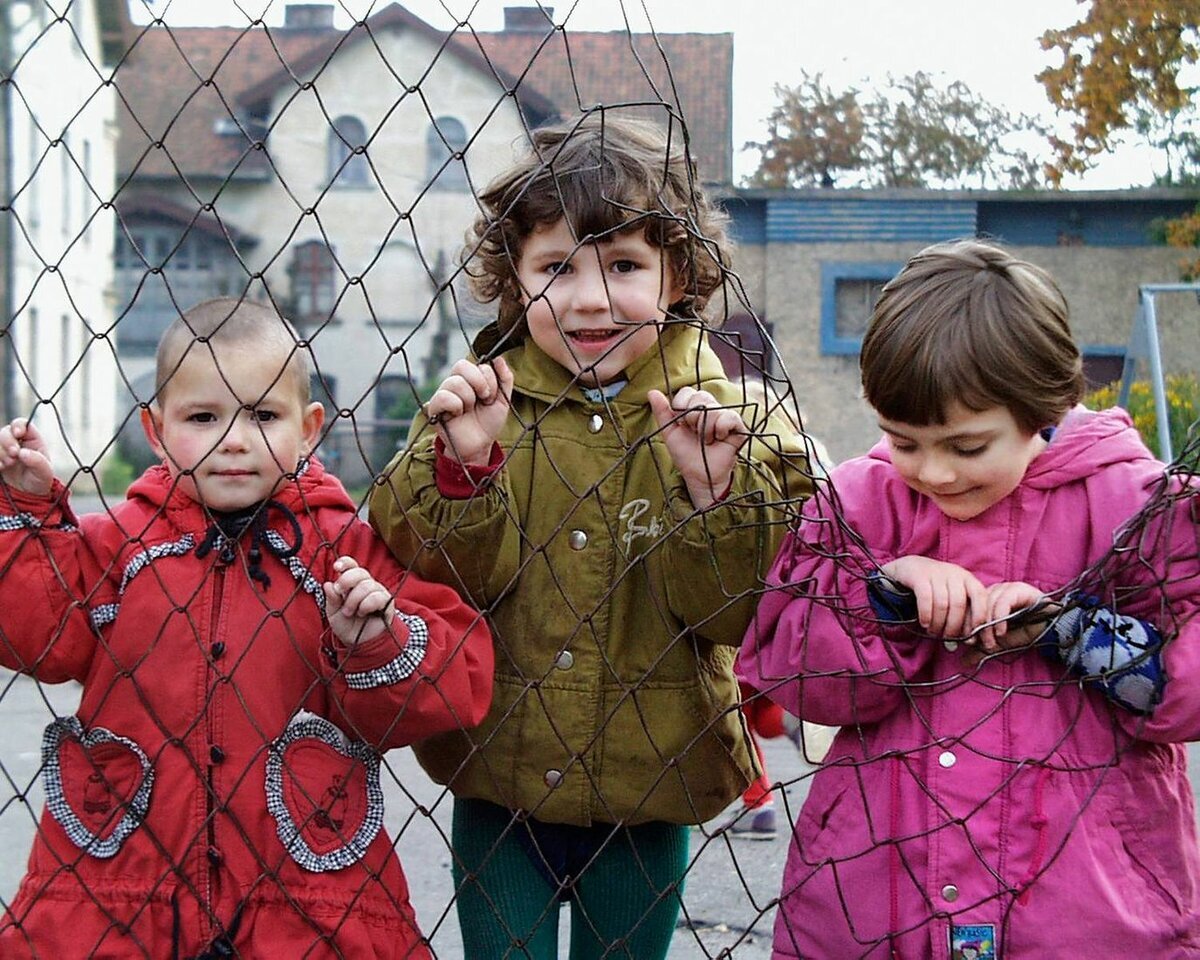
{"x": 617, "y": 608}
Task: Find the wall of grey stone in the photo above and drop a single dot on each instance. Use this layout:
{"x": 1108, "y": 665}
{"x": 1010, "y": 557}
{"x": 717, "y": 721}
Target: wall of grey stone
{"x": 1100, "y": 284}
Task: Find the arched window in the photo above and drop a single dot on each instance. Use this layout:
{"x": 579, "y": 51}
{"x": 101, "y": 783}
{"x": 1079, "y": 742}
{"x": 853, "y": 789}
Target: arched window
{"x": 445, "y": 138}
{"x": 347, "y": 168}
{"x": 313, "y": 274}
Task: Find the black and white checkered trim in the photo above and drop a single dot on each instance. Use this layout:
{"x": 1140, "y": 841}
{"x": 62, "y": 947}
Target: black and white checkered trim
{"x": 139, "y": 561}
{"x": 106, "y": 613}
{"x": 403, "y": 666}
{"x": 304, "y": 726}
{"x": 303, "y": 576}
{"x": 69, "y": 728}
{"x": 27, "y": 521}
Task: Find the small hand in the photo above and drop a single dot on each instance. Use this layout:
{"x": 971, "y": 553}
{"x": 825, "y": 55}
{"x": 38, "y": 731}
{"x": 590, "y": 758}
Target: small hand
{"x": 994, "y": 624}
{"x": 23, "y": 460}
{"x": 358, "y": 606}
{"x": 947, "y": 595}
{"x": 470, "y": 408}
{"x": 703, "y": 439}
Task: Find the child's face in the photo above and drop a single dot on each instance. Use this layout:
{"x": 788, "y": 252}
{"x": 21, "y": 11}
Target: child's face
{"x": 594, "y": 309}
{"x": 238, "y": 429}
{"x": 967, "y": 464}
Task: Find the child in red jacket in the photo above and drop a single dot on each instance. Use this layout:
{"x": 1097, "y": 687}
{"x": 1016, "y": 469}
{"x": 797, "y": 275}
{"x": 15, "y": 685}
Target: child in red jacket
{"x": 247, "y": 648}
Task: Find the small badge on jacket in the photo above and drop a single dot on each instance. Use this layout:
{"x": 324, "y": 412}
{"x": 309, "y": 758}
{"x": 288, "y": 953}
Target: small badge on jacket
{"x": 973, "y": 942}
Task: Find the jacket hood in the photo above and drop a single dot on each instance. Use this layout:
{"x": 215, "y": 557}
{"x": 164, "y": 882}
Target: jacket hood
{"x": 683, "y": 358}
{"x": 1085, "y": 442}
{"x": 313, "y": 488}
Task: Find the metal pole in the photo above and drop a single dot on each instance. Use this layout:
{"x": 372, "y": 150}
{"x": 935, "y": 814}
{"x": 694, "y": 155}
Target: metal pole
{"x": 8, "y": 257}
{"x": 1165, "y": 453}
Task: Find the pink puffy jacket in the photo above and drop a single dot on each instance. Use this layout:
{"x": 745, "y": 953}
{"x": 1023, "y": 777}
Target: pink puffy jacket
{"x": 1007, "y": 807}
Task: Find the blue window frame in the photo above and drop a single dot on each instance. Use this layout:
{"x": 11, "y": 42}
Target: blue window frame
{"x": 848, "y": 293}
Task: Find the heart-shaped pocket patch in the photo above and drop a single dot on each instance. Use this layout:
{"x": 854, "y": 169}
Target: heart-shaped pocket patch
{"x": 97, "y": 784}
{"x": 323, "y": 791}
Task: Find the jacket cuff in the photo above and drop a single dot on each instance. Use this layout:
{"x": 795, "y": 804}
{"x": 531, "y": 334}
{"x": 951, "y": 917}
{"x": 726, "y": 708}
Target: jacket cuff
{"x": 386, "y": 659}
{"x": 456, "y": 481}
{"x": 20, "y": 510}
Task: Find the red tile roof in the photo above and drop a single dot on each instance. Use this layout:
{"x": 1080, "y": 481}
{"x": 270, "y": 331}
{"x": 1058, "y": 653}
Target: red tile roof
{"x": 692, "y": 72}
{"x": 178, "y": 84}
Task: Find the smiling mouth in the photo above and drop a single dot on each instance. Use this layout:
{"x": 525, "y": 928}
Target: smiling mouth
{"x": 593, "y": 336}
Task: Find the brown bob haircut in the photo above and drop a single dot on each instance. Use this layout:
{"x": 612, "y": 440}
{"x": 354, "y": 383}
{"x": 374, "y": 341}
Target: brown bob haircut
{"x": 229, "y": 320}
{"x": 966, "y": 321}
{"x": 605, "y": 175}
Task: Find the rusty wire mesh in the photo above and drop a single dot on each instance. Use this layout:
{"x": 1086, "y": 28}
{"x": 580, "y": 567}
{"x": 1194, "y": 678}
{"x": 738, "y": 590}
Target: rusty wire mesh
{"x": 357, "y": 243}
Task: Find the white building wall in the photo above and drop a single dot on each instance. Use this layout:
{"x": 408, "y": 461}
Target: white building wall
{"x": 64, "y": 143}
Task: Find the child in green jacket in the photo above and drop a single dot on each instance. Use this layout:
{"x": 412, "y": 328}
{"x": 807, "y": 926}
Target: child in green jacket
{"x": 589, "y": 479}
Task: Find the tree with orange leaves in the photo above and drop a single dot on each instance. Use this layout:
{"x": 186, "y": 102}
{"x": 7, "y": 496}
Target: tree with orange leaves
{"x": 1121, "y": 70}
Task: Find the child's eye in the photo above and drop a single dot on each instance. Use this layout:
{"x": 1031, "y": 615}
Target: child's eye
{"x": 902, "y": 447}
{"x": 624, "y": 266}
{"x": 970, "y": 451}
{"x": 263, "y": 416}
{"x": 201, "y": 416}
{"x": 557, "y": 267}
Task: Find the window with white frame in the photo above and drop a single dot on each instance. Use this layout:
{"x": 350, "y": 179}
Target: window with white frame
{"x": 445, "y": 142}
{"x": 313, "y": 273}
{"x": 347, "y": 161}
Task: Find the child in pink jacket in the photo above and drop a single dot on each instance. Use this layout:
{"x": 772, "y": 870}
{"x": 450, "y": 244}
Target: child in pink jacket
{"x": 997, "y": 605}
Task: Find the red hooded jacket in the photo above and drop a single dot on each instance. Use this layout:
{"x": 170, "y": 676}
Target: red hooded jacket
{"x": 218, "y": 793}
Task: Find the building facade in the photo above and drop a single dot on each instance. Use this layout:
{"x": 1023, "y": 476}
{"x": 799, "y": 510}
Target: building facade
{"x": 60, "y": 364}
{"x": 811, "y": 264}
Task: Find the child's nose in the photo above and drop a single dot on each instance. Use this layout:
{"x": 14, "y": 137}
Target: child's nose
{"x": 236, "y": 436}
{"x": 591, "y": 292}
{"x": 936, "y": 472}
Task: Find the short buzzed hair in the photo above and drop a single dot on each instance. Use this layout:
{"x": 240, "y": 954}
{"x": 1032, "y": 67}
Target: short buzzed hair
{"x": 967, "y": 321}
{"x": 229, "y": 320}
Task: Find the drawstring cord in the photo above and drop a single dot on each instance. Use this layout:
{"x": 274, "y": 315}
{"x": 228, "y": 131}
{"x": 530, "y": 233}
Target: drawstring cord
{"x": 227, "y": 529}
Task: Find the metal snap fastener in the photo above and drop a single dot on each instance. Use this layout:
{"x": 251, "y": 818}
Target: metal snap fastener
{"x": 947, "y": 759}
{"x": 552, "y": 778}
{"x": 565, "y": 660}
{"x": 951, "y": 645}
{"x": 950, "y": 892}
{"x": 577, "y": 539}
{"x": 595, "y": 423}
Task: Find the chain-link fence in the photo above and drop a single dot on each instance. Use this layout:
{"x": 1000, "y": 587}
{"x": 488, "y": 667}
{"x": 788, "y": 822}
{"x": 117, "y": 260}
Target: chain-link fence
{"x": 216, "y": 759}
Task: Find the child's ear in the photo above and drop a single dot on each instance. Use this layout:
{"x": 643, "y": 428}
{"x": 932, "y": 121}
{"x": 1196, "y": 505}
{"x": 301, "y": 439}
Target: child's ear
{"x": 313, "y": 420}
{"x": 152, "y": 426}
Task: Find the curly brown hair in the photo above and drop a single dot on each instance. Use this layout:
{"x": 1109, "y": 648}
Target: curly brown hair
{"x": 604, "y": 174}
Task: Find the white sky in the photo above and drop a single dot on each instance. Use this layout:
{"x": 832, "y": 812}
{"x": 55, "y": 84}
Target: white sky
{"x": 990, "y": 45}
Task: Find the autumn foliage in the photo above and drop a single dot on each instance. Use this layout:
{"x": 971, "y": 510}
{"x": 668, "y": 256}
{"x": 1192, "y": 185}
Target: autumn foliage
{"x": 1121, "y": 70}
{"x": 909, "y": 132}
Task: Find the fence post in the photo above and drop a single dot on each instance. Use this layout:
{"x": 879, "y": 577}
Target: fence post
{"x": 8, "y": 395}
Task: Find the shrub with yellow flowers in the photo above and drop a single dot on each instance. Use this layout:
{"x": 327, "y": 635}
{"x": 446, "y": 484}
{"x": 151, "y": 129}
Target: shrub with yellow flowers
{"x": 1183, "y": 412}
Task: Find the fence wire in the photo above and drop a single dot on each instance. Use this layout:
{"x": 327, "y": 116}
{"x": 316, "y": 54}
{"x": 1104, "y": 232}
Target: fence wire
{"x": 254, "y": 163}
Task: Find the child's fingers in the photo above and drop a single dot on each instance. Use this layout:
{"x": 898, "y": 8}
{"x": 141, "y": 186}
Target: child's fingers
{"x": 660, "y": 407}
{"x": 365, "y": 598}
{"x": 504, "y": 375}
{"x": 481, "y": 379}
{"x": 333, "y": 600}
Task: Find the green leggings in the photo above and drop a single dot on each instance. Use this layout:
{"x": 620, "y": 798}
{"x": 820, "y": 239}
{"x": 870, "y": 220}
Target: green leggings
{"x": 624, "y": 885}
